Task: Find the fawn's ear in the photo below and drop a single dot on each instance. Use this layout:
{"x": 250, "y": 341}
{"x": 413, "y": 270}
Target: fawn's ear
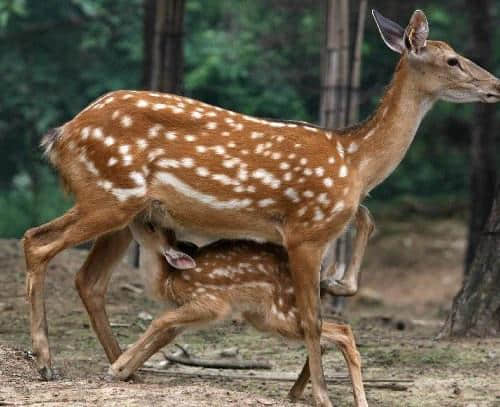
{"x": 415, "y": 37}
{"x": 392, "y": 33}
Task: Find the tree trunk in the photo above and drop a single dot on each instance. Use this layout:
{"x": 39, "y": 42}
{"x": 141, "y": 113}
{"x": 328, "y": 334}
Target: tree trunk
{"x": 476, "y": 308}
{"x": 339, "y": 104}
{"x": 483, "y": 172}
{"x": 163, "y": 62}
{"x": 163, "y": 45}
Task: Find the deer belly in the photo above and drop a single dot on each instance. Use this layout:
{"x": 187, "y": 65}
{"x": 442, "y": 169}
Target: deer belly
{"x": 202, "y": 225}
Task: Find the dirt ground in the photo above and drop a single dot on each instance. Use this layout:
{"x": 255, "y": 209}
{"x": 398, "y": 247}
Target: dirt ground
{"x": 411, "y": 273}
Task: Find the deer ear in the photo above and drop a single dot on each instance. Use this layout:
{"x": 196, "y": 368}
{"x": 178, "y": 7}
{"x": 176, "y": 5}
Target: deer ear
{"x": 392, "y": 33}
{"x": 416, "y": 33}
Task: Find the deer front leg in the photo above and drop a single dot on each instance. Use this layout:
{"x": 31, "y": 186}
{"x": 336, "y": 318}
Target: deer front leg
{"x": 348, "y": 285}
{"x": 92, "y": 283}
{"x": 305, "y": 262}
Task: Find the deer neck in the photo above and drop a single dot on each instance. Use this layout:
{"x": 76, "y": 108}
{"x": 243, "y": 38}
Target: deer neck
{"x": 384, "y": 139}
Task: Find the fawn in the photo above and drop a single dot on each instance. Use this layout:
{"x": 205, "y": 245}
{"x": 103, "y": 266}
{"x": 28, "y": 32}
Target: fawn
{"x": 230, "y": 277}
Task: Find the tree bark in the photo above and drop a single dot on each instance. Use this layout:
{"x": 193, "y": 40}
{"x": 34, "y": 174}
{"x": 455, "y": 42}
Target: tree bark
{"x": 338, "y": 105}
{"x": 476, "y": 308}
{"x": 482, "y": 155}
{"x": 163, "y": 45}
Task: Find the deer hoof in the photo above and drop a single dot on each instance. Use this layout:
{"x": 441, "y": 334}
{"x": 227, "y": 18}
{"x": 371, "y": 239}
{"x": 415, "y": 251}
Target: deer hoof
{"x": 47, "y": 373}
{"x": 339, "y": 287}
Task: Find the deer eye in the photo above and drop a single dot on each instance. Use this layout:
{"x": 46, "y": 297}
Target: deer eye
{"x": 150, "y": 226}
{"x": 452, "y": 62}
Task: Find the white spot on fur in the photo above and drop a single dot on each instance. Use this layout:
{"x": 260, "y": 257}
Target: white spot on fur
{"x": 196, "y": 115}
{"x": 142, "y": 103}
{"x": 319, "y": 171}
{"x": 211, "y": 125}
{"x": 159, "y": 106}
{"x": 112, "y": 161}
{"x": 125, "y": 149}
{"x": 109, "y": 141}
{"x": 256, "y": 135}
{"x": 328, "y": 182}
{"x": 284, "y": 166}
{"x": 187, "y": 162}
{"x": 340, "y": 149}
{"x": 168, "y": 163}
{"x": 308, "y": 194}
{"x": 303, "y": 161}
{"x": 318, "y": 215}
{"x": 302, "y": 211}
{"x": 224, "y": 179}
{"x": 126, "y": 121}
{"x": 97, "y": 133}
{"x": 343, "y": 171}
{"x": 353, "y": 147}
{"x": 170, "y": 135}
{"x": 266, "y": 202}
{"x": 190, "y": 138}
{"x": 154, "y": 130}
{"x": 202, "y": 171}
{"x": 292, "y": 194}
{"x": 127, "y": 159}
{"x": 323, "y": 198}
{"x": 154, "y": 154}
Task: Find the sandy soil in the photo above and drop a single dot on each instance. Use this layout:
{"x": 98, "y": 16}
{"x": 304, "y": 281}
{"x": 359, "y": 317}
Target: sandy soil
{"x": 411, "y": 274}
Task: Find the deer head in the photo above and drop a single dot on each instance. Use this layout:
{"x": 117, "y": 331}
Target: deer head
{"x": 436, "y": 68}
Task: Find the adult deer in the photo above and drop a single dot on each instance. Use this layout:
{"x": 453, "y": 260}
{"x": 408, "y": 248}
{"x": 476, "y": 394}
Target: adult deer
{"x": 218, "y": 174}
{"x": 231, "y": 277}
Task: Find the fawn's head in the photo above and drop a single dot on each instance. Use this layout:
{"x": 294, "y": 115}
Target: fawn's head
{"x": 436, "y": 68}
{"x": 161, "y": 241}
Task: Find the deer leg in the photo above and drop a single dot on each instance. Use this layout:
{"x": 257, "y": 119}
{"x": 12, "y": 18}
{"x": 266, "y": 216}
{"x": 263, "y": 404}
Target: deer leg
{"x": 305, "y": 261}
{"x": 348, "y": 285}
{"x": 341, "y": 335}
{"x": 163, "y": 330}
{"x": 92, "y": 283}
{"x": 41, "y": 244}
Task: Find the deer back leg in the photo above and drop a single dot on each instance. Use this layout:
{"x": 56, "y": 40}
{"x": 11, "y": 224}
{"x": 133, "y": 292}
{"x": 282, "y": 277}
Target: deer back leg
{"x": 92, "y": 283}
{"x": 42, "y": 243}
{"x": 163, "y": 330}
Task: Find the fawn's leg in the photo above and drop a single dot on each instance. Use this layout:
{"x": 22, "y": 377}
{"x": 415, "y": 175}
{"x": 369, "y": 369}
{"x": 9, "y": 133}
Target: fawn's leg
{"x": 92, "y": 283}
{"x": 341, "y": 335}
{"x": 305, "y": 262}
{"x": 348, "y": 285}
{"x": 163, "y": 330}
{"x": 42, "y": 243}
